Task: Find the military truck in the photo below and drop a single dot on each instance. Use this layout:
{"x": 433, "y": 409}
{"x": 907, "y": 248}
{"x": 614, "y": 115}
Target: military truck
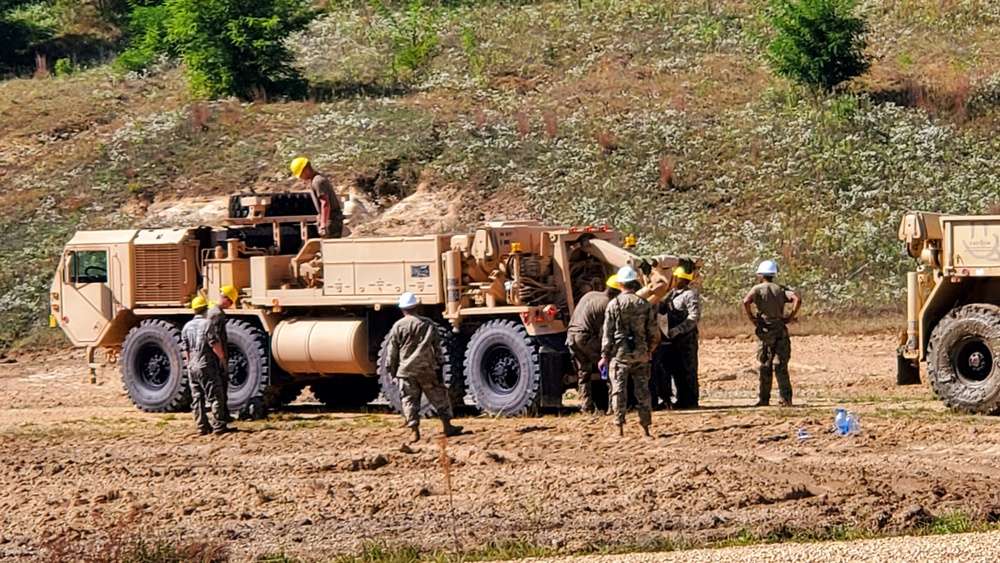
{"x": 315, "y": 312}
{"x": 953, "y": 308}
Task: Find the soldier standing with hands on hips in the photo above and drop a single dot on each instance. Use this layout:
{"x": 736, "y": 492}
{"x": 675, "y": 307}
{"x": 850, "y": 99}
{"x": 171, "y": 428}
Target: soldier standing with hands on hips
{"x": 769, "y": 323}
{"x": 630, "y": 335}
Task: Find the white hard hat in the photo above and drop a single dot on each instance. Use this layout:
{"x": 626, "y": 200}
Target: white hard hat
{"x": 627, "y": 274}
{"x": 767, "y": 268}
{"x": 408, "y": 301}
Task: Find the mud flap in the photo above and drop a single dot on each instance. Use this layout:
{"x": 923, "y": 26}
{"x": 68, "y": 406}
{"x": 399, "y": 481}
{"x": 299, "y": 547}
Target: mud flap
{"x": 554, "y": 365}
{"x": 907, "y": 371}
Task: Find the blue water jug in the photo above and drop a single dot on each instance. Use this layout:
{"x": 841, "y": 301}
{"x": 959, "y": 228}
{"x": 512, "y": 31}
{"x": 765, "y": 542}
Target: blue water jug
{"x": 841, "y": 423}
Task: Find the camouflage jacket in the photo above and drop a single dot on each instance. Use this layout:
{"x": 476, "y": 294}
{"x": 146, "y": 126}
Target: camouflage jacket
{"x": 630, "y": 329}
{"x": 414, "y": 347}
{"x": 197, "y": 339}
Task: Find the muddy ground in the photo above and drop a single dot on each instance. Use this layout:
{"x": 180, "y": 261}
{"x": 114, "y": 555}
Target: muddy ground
{"x": 81, "y": 467}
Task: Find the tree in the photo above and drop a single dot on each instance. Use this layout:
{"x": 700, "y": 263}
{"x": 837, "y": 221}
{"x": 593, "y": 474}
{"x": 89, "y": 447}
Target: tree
{"x": 820, "y": 43}
{"x": 228, "y": 47}
{"x": 17, "y": 37}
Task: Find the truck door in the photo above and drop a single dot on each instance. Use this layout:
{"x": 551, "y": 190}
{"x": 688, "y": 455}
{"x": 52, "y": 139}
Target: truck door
{"x": 86, "y": 299}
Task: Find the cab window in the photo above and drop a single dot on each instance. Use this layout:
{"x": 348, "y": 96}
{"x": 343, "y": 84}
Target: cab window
{"x": 87, "y": 266}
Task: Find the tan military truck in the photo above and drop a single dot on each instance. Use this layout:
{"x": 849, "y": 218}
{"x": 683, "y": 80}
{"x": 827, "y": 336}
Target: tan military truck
{"x": 315, "y": 312}
{"x": 953, "y": 308}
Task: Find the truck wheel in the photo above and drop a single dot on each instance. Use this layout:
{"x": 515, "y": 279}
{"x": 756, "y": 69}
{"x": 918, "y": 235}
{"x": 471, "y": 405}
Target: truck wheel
{"x": 451, "y": 371}
{"x": 152, "y": 367}
{"x": 963, "y": 359}
{"x": 248, "y": 368}
{"x": 346, "y": 392}
{"x": 502, "y": 369}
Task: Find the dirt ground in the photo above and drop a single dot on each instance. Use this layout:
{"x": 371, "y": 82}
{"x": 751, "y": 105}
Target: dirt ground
{"x": 82, "y": 468}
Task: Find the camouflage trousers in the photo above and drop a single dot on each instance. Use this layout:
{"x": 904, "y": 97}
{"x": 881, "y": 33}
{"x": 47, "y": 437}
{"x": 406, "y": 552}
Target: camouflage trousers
{"x": 207, "y": 393}
{"x": 414, "y": 388}
{"x": 773, "y": 353}
{"x": 585, "y": 355}
{"x": 619, "y": 373}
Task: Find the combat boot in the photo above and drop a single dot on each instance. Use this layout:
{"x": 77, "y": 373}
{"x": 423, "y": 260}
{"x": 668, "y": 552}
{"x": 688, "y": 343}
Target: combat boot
{"x": 450, "y": 429}
{"x": 621, "y": 429}
{"x": 415, "y": 437}
{"x": 645, "y": 430}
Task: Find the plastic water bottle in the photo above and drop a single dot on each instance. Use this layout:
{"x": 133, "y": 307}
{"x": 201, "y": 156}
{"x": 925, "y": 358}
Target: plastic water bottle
{"x": 803, "y": 434}
{"x": 853, "y": 426}
{"x": 604, "y": 372}
{"x": 846, "y": 423}
{"x": 841, "y": 425}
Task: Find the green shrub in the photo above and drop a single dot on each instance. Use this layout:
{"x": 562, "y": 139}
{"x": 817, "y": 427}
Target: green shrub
{"x": 237, "y": 47}
{"x": 147, "y": 26}
{"x": 820, "y": 43}
{"x": 412, "y": 34}
{"x": 64, "y": 67}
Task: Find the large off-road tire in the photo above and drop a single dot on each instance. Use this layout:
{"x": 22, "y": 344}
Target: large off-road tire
{"x": 152, "y": 367}
{"x": 346, "y": 392}
{"x": 963, "y": 359}
{"x": 248, "y": 368}
{"x": 451, "y": 371}
{"x": 502, "y": 369}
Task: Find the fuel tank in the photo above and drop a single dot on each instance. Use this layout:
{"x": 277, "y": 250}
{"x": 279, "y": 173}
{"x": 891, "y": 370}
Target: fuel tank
{"x": 322, "y": 346}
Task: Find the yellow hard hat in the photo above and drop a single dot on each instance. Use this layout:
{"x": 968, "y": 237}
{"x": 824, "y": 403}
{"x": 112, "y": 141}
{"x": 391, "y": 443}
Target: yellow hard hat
{"x": 613, "y": 282}
{"x": 298, "y": 165}
{"x": 679, "y": 272}
{"x": 231, "y": 292}
{"x": 198, "y": 302}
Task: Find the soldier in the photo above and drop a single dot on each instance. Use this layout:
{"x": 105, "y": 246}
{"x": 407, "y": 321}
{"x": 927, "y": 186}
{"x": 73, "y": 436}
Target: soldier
{"x": 680, "y": 313}
{"x": 331, "y": 216}
{"x": 203, "y": 355}
{"x": 583, "y": 338}
{"x": 217, "y": 318}
{"x": 630, "y": 335}
{"x": 414, "y": 359}
{"x": 770, "y": 327}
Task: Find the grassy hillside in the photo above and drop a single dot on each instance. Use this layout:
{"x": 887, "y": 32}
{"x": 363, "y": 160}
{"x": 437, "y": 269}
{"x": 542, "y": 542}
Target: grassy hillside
{"x": 660, "y": 118}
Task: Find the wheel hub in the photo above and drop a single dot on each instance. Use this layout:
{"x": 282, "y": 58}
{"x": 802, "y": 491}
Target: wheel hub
{"x": 153, "y": 366}
{"x": 974, "y": 361}
{"x": 503, "y": 370}
{"x": 238, "y": 368}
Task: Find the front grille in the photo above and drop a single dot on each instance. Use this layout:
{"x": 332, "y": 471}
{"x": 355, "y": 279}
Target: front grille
{"x": 158, "y": 275}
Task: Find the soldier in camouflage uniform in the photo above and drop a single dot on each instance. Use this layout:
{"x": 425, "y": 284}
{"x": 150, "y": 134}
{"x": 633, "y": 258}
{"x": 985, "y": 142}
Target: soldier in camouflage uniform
{"x": 414, "y": 359}
{"x": 630, "y": 335}
{"x": 217, "y": 319}
{"x": 770, "y": 327}
{"x": 583, "y": 338}
{"x": 203, "y": 355}
{"x": 680, "y": 312}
